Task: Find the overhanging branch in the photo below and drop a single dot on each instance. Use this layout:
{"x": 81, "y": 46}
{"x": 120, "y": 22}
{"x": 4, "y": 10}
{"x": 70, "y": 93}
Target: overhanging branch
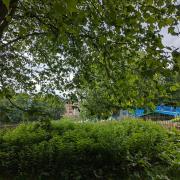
{"x": 4, "y": 13}
{"x": 23, "y": 38}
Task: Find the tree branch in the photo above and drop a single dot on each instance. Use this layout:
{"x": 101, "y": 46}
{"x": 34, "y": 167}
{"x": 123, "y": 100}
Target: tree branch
{"x": 4, "y": 13}
{"x": 23, "y": 37}
{"x": 16, "y": 106}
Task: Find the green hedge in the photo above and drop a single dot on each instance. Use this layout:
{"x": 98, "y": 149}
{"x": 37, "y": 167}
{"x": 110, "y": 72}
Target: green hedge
{"x": 110, "y": 150}
{"x": 177, "y": 119}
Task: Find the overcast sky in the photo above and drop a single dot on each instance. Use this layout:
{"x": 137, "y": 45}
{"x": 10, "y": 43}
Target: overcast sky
{"x": 170, "y": 40}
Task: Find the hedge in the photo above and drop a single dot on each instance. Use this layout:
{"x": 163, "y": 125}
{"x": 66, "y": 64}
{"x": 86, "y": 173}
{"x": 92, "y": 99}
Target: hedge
{"x": 106, "y": 150}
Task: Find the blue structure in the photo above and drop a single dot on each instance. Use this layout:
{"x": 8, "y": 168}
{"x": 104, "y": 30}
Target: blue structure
{"x": 139, "y": 112}
{"x": 168, "y": 110}
{"x": 163, "y": 110}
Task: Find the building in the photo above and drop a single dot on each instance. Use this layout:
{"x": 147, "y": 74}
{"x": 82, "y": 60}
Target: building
{"x": 71, "y": 109}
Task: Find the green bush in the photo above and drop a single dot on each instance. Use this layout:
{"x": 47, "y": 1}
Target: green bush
{"x": 177, "y": 119}
{"x": 105, "y": 150}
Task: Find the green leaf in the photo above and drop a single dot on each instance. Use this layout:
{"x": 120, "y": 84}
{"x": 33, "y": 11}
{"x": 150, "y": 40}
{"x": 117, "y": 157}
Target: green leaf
{"x": 102, "y": 40}
{"x": 170, "y": 21}
{"x": 173, "y": 88}
{"x": 171, "y": 30}
{"x": 149, "y": 2}
{"x": 71, "y": 6}
{"x": 8, "y": 18}
{"x": 151, "y": 19}
{"x": 6, "y": 3}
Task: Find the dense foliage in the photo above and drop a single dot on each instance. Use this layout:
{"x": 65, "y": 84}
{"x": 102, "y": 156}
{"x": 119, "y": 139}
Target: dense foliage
{"x": 116, "y": 45}
{"x": 112, "y": 150}
{"x": 99, "y": 103}
{"x": 23, "y": 107}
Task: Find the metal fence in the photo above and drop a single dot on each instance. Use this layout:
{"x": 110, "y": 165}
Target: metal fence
{"x": 167, "y": 123}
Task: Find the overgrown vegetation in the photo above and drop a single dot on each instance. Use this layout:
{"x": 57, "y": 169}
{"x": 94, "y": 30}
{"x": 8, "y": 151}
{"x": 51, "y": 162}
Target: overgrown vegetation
{"x": 106, "y": 150}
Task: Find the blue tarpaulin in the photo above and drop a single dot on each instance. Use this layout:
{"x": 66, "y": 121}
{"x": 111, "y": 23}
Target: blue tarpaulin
{"x": 166, "y": 110}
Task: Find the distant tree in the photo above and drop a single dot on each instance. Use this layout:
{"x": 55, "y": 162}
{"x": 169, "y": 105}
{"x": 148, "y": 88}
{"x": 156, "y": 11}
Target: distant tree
{"x": 23, "y": 107}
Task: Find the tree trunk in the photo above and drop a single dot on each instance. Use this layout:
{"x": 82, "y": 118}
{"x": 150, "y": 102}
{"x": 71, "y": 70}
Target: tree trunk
{"x": 4, "y": 13}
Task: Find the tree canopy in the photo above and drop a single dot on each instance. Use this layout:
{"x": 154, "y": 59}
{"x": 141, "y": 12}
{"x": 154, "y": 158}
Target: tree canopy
{"x": 115, "y": 44}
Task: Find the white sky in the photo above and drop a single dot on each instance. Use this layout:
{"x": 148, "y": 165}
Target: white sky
{"x": 170, "y": 40}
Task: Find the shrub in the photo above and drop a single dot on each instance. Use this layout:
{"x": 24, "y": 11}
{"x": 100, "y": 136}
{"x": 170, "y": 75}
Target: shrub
{"x": 109, "y": 150}
{"x": 177, "y": 119}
